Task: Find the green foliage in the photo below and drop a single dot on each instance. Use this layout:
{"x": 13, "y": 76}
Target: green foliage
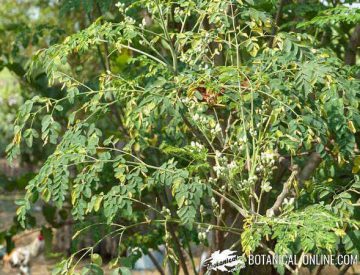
{"x": 196, "y": 122}
{"x": 87, "y": 5}
{"x": 312, "y": 230}
{"x": 334, "y": 15}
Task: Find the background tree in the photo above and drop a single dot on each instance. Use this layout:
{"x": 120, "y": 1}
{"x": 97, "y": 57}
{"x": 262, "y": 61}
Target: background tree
{"x": 170, "y": 120}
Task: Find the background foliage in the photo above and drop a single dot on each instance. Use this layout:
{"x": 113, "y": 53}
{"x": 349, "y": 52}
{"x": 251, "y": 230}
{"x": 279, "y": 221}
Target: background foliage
{"x": 190, "y": 122}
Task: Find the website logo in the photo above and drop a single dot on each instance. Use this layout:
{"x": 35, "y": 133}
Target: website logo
{"x": 225, "y": 261}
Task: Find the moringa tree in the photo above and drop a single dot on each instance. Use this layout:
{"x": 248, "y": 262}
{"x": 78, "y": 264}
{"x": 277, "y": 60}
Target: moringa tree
{"x": 214, "y": 121}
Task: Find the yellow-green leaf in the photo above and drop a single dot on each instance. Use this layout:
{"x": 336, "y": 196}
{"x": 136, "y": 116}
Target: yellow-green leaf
{"x": 98, "y": 203}
{"x": 351, "y": 126}
{"x": 356, "y": 167}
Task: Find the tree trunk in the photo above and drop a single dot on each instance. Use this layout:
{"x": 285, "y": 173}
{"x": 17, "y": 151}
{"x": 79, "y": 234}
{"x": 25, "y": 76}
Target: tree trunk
{"x": 354, "y": 43}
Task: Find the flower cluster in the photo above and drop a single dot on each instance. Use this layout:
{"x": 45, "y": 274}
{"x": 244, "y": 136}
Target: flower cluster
{"x": 180, "y": 14}
{"x": 216, "y": 129}
{"x": 202, "y": 235}
{"x": 196, "y": 144}
{"x": 238, "y": 146}
{"x": 266, "y": 162}
{"x": 253, "y": 132}
{"x": 263, "y": 109}
{"x": 196, "y": 49}
{"x": 250, "y": 181}
{"x": 212, "y": 180}
{"x": 207, "y": 123}
{"x": 268, "y": 158}
{"x": 223, "y": 166}
{"x": 265, "y": 169}
{"x": 120, "y": 6}
{"x": 166, "y": 212}
{"x": 288, "y": 204}
{"x": 265, "y": 185}
{"x": 196, "y": 147}
{"x": 288, "y": 201}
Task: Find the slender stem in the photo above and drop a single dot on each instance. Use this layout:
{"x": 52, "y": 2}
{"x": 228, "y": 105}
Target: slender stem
{"x": 242, "y": 211}
{"x": 273, "y": 254}
{"x": 119, "y": 46}
{"x": 155, "y": 262}
{"x": 164, "y": 27}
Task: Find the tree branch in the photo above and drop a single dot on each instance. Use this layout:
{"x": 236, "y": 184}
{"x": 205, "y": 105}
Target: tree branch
{"x": 274, "y": 210}
{"x": 312, "y": 163}
{"x": 172, "y": 231}
{"x": 354, "y": 43}
{"x": 317, "y": 269}
{"x": 344, "y": 269}
{"x": 268, "y": 250}
{"x": 309, "y": 168}
{"x": 276, "y": 21}
{"x": 155, "y": 262}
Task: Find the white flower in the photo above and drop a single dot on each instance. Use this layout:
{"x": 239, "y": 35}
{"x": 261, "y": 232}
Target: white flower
{"x": 120, "y": 6}
{"x": 202, "y": 236}
{"x": 217, "y": 169}
{"x": 212, "y": 180}
{"x": 217, "y": 128}
{"x": 266, "y": 186}
{"x": 253, "y": 132}
{"x": 289, "y": 201}
{"x": 185, "y": 100}
{"x": 203, "y": 119}
{"x": 268, "y": 157}
{"x": 243, "y": 139}
{"x": 232, "y": 165}
{"x": 198, "y": 146}
{"x": 196, "y": 117}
